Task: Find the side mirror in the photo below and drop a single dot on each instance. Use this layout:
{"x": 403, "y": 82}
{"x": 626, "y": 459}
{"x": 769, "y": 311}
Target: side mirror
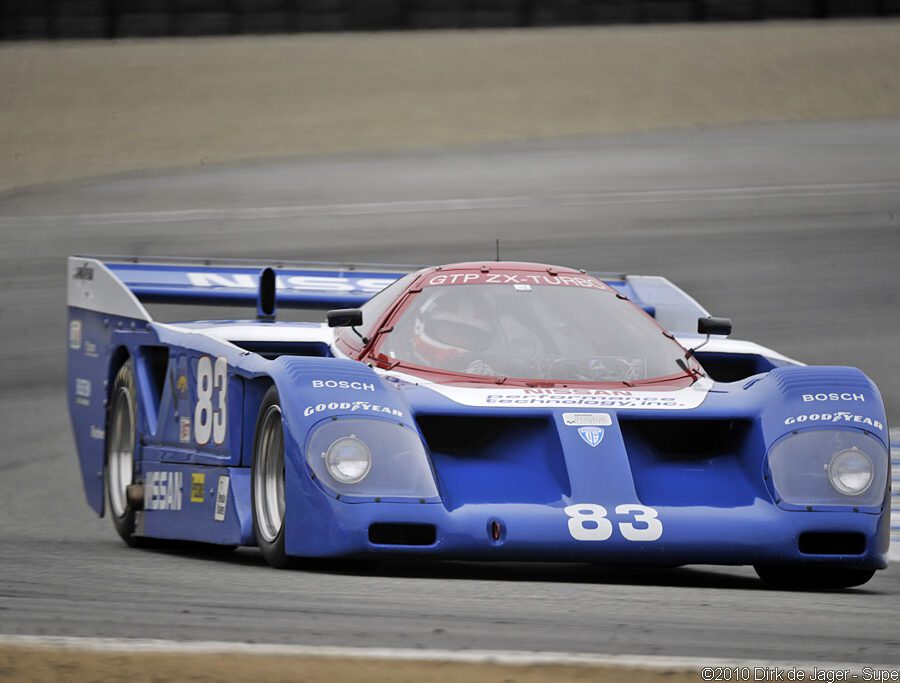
{"x": 344, "y": 317}
{"x": 714, "y": 326}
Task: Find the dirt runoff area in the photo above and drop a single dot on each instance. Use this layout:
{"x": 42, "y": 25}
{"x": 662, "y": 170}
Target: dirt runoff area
{"x": 73, "y": 110}
{"x": 40, "y": 665}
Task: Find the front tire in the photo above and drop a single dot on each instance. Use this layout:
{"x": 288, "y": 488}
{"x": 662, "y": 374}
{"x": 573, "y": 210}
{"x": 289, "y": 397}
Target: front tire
{"x": 121, "y": 429}
{"x": 813, "y": 578}
{"x": 267, "y": 475}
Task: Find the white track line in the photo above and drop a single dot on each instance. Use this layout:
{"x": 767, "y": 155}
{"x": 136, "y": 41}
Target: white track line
{"x": 460, "y": 204}
{"x": 509, "y": 657}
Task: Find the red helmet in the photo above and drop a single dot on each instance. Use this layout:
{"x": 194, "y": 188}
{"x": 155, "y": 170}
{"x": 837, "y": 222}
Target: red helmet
{"x": 449, "y": 324}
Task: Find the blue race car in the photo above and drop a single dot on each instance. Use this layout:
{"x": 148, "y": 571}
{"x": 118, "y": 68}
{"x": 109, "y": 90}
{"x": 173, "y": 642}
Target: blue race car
{"x": 479, "y": 411}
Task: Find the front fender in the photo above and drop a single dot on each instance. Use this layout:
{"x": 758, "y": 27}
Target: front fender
{"x": 796, "y": 398}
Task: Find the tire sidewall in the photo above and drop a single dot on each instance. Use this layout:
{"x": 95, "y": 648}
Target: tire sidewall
{"x": 125, "y": 523}
{"x": 272, "y": 551}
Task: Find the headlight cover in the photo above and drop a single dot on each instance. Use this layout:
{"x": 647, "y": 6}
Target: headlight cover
{"x": 369, "y": 457}
{"x": 828, "y": 467}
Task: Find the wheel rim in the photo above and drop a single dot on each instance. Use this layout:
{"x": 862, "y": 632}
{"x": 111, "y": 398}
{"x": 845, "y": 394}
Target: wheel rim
{"x": 121, "y": 452}
{"x": 268, "y": 480}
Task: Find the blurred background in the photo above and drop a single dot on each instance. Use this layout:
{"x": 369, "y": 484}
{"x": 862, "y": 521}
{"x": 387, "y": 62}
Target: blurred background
{"x": 38, "y": 19}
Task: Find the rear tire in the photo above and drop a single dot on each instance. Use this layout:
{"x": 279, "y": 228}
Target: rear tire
{"x": 813, "y": 578}
{"x": 121, "y": 431}
{"x": 267, "y": 477}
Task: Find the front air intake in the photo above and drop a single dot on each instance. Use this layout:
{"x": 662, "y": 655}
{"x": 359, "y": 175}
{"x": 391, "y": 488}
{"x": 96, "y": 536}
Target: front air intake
{"x": 685, "y": 439}
{"x": 504, "y": 460}
{"x": 693, "y": 463}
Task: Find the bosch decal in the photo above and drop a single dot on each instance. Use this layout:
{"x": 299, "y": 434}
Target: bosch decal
{"x": 844, "y": 396}
{"x": 342, "y": 384}
{"x": 97, "y": 434}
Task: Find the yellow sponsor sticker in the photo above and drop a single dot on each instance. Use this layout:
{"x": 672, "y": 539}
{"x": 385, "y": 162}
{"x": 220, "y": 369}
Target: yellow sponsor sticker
{"x": 198, "y": 483}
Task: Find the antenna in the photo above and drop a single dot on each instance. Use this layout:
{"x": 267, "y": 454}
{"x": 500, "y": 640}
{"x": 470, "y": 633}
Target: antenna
{"x": 498, "y": 249}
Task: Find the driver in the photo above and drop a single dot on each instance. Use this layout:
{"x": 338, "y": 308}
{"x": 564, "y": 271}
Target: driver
{"x": 452, "y": 330}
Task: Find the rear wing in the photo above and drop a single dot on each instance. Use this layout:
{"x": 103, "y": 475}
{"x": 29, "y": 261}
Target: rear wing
{"x": 122, "y": 285}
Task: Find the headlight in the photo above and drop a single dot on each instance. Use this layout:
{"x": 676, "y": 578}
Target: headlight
{"x": 851, "y": 472}
{"x": 829, "y": 467}
{"x": 370, "y": 457}
{"x": 348, "y": 460}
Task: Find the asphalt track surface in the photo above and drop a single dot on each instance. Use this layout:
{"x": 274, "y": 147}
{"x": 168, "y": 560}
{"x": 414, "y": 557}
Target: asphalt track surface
{"x": 793, "y": 230}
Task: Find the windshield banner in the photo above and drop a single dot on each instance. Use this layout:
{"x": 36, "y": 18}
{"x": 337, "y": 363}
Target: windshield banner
{"x": 517, "y": 278}
{"x": 622, "y": 399}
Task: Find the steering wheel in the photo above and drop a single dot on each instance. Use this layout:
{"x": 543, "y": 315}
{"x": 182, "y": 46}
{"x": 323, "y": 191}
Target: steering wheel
{"x": 492, "y": 364}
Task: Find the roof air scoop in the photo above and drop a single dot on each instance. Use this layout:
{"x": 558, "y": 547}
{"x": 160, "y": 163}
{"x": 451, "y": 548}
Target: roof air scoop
{"x": 265, "y": 297}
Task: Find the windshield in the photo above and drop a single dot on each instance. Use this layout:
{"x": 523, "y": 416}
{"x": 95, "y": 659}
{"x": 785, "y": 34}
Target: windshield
{"x": 541, "y": 332}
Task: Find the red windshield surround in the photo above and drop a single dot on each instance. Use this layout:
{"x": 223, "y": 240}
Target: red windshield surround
{"x": 511, "y": 274}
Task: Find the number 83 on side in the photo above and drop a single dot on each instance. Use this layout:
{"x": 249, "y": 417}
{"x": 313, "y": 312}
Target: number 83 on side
{"x": 588, "y": 522}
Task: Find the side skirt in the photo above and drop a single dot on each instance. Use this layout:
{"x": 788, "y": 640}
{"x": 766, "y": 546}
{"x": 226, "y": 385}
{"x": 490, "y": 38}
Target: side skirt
{"x": 196, "y": 503}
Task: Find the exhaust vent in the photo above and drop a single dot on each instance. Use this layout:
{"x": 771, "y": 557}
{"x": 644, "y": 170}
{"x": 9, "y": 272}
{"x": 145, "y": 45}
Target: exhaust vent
{"x": 402, "y": 534}
{"x": 832, "y": 543}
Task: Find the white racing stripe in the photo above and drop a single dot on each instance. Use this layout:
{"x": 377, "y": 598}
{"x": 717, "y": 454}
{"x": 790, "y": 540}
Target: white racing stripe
{"x": 459, "y": 204}
{"x": 507, "y": 657}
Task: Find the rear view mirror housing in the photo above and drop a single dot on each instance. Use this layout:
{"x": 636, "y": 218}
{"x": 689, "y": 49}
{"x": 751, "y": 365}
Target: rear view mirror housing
{"x": 711, "y": 325}
{"x": 344, "y": 317}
